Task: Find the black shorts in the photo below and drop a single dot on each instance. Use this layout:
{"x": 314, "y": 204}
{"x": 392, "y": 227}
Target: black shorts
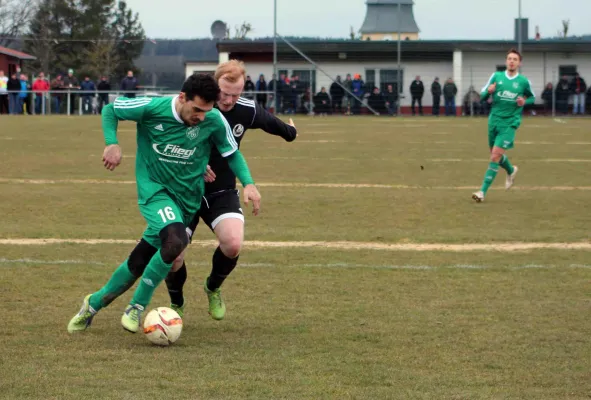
{"x": 216, "y": 207}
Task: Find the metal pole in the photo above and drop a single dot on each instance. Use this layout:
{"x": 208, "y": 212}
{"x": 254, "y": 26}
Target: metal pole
{"x": 398, "y": 83}
{"x": 519, "y": 36}
{"x": 554, "y": 96}
{"x": 470, "y": 92}
{"x": 305, "y": 57}
{"x": 275, "y": 99}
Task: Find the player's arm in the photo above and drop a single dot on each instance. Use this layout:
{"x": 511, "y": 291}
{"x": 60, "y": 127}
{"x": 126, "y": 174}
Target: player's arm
{"x": 224, "y": 141}
{"x": 269, "y": 123}
{"x": 530, "y": 96}
{"x": 485, "y": 92}
{"x": 120, "y": 110}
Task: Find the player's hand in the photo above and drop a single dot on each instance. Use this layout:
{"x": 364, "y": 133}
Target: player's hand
{"x": 209, "y": 175}
{"x": 520, "y": 101}
{"x": 112, "y": 156}
{"x": 292, "y": 125}
{"x": 492, "y": 88}
{"x": 251, "y": 193}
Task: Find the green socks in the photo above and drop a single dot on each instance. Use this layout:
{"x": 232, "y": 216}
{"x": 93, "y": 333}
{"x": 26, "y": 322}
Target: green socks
{"x": 506, "y": 164}
{"x": 120, "y": 281}
{"x": 154, "y": 273}
{"x": 490, "y": 175}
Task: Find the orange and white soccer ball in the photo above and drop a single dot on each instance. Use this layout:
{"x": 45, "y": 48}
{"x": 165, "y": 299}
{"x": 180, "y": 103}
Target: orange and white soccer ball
{"x": 163, "y": 326}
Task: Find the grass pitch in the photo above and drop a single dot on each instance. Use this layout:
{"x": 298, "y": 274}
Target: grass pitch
{"x": 313, "y": 322}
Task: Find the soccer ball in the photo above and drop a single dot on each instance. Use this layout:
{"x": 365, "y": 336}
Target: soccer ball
{"x": 163, "y": 326}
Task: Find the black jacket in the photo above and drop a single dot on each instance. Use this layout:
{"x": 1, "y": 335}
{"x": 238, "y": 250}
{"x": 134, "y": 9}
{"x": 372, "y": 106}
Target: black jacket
{"x": 547, "y": 95}
{"x": 391, "y": 97}
{"x": 336, "y": 91}
{"x": 13, "y": 84}
{"x": 582, "y": 86}
{"x": 417, "y": 89}
{"x": 562, "y": 90}
{"x": 450, "y": 90}
{"x": 436, "y": 89}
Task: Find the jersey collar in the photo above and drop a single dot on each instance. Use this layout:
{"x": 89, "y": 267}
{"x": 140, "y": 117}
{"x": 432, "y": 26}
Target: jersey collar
{"x": 511, "y": 78}
{"x": 174, "y": 113}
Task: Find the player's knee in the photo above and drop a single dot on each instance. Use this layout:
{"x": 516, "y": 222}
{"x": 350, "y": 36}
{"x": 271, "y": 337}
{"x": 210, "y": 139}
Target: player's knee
{"x": 174, "y": 240}
{"x": 178, "y": 262}
{"x": 231, "y": 245}
{"x": 496, "y": 157}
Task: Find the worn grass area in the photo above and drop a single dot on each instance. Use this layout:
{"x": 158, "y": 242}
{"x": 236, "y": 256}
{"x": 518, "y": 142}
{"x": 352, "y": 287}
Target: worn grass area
{"x": 313, "y": 323}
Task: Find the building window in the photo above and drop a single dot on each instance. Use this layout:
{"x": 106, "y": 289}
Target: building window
{"x": 501, "y": 68}
{"x": 306, "y": 77}
{"x": 568, "y": 70}
{"x": 370, "y": 79}
{"x": 390, "y": 77}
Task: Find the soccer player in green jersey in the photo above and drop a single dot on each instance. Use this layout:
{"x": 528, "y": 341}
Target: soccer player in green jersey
{"x": 174, "y": 138}
{"x": 510, "y": 91}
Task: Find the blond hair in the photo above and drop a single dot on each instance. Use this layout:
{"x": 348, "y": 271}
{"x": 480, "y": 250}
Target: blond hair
{"x": 231, "y": 71}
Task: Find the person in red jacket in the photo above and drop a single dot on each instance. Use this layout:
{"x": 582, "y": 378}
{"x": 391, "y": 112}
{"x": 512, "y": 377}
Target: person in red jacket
{"x": 40, "y": 87}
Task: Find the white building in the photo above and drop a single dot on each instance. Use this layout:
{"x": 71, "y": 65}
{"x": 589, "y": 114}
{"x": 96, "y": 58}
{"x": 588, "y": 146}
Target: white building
{"x": 466, "y": 62}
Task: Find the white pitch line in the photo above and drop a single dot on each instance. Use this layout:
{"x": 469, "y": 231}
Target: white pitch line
{"x": 28, "y": 261}
{"x": 306, "y": 185}
{"x": 340, "y": 245}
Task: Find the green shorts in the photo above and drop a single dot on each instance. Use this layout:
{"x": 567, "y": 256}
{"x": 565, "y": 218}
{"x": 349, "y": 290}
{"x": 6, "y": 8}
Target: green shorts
{"x": 501, "y": 133}
{"x": 159, "y": 212}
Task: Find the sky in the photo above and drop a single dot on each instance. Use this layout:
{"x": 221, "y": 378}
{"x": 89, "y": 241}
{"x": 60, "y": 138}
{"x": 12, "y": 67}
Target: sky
{"x": 437, "y": 19}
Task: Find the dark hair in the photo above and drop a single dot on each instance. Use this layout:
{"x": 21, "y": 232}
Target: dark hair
{"x": 202, "y": 85}
{"x": 515, "y": 51}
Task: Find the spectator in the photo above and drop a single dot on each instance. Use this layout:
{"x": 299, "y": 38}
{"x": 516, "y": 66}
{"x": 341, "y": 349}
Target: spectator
{"x": 589, "y": 95}
{"x": 348, "y": 84}
{"x": 450, "y": 91}
{"x": 87, "y": 86}
{"x": 3, "y": 93}
{"x": 321, "y": 102}
{"x": 129, "y": 85}
{"x": 270, "y": 98}
{"x": 336, "y": 94}
{"x": 436, "y": 93}
{"x": 472, "y": 102}
{"x": 249, "y": 88}
{"x": 262, "y": 87}
{"x": 357, "y": 86}
{"x": 391, "y": 98}
{"x": 562, "y": 95}
{"x": 417, "y": 89}
{"x": 377, "y": 101}
{"x": 24, "y": 96}
{"x": 40, "y": 87}
{"x": 14, "y": 86}
{"x": 71, "y": 83}
{"x": 547, "y": 97}
{"x": 103, "y": 98}
{"x": 578, "y": 88}
{"x": 288, "y": 106}
{"x": 57, "y": 85}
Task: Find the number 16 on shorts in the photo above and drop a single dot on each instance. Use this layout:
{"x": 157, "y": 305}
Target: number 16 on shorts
{"x": 166, "y": 214}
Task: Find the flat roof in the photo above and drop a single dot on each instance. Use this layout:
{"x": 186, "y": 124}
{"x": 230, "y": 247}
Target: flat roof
{"x": 373, "y": 46}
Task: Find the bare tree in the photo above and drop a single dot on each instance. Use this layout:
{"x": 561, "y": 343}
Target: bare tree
{"x": 14, "y": 19}
{"x": 101, "y": 58}
{"x": 565, "y": 26}
{"x": 242, "y": 30}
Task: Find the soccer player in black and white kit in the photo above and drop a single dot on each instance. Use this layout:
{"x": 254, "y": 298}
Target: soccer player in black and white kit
{"x": 220, "y": 207}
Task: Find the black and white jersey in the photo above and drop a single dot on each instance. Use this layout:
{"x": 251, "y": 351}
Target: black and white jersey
{"x": 245, "y": 115}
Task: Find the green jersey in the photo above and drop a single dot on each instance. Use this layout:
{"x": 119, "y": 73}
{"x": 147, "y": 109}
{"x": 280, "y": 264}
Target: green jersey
{"x": 171, "y": 156}
{"x": 508, "y": 89}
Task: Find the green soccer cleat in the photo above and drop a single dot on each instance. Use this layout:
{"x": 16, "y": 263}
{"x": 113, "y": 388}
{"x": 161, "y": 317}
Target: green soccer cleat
{"x": 83, "y": 319}
{"x": 217, "y": 308}
{"x": 132, "y": 317}
{"x": 180, "y": 310}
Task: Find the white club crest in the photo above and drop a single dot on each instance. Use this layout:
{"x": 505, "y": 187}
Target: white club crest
{"x": 238, "y": 130}
{"x": 193, "y": 132}
{"x": 515, "y": 85}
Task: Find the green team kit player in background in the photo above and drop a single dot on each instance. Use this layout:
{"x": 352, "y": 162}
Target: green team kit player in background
{"x": 174, "y": 140}
{"x": 510, "y": 91}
